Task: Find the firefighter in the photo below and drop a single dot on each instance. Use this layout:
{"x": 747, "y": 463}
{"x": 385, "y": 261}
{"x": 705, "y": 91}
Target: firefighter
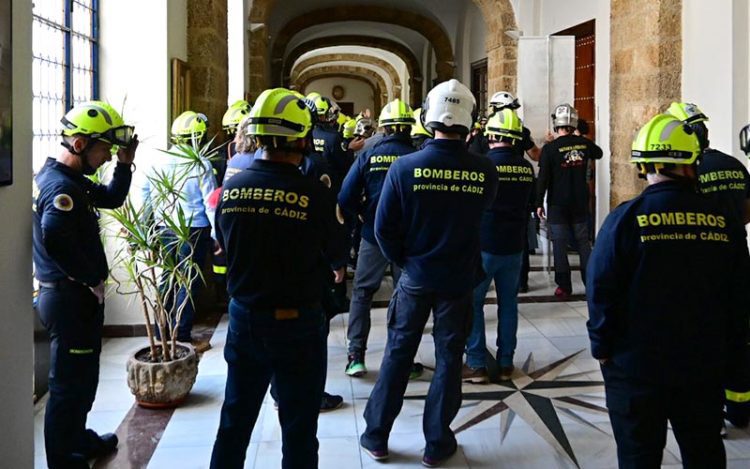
{"x": 71, "y": 268}
{"x": 562, "y": 177}
{"x": 279, "y": 230}
{"x": 428, "y": 222}
{"x": 668, "y": 308}
{"x": 503, "y": 234}
{"x": 367, "y": 176}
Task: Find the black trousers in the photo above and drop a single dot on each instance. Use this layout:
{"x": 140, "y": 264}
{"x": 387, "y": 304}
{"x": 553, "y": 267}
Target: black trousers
{"x": 74, "y": 319}
{"x": 639, "y": 412}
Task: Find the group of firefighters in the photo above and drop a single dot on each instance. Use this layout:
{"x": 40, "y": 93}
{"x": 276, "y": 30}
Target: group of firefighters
{"x": 304, "y": 192}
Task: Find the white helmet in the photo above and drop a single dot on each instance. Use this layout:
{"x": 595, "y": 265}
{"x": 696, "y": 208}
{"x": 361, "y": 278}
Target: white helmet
{"x": 502, "y": 100}
{"x": 449, "y": 107}
{"x": 565, "y": 115}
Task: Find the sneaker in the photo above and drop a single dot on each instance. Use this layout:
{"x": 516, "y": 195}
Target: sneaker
{"x": 330, "y": 402}
{"x": 416, "y": 370}
{"x": 474, "y": 375}
{"x": 376, "y": 454}
{"x": 356, "y": 366}
{"x": 506, "y": 372}
{"x": 562, "y": 294}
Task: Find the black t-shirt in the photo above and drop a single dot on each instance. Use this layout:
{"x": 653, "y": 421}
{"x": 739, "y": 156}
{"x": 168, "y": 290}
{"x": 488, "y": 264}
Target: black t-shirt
{"x": 726, "y": 178}
{"x": 562, "y": 174}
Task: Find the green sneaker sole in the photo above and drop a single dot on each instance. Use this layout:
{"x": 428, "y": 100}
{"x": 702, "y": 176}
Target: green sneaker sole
{"x": 356, "y": 370}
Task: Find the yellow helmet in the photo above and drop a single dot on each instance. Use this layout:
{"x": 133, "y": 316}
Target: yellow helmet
{"x": 234, "y": 115}
{"x": 688, "y": 113}
{"x": 665, "y": 139}
{"x": 418, "y": 129}
{"x": 97, "y": 120}
{"x": 279, "y": 112}
{"x": 396, "y": 113}
{"x": 505, "y": 123}
{"x": 342, "y": 119}
{"x": 349, "y": 127}
{"x": 189, "y": 125}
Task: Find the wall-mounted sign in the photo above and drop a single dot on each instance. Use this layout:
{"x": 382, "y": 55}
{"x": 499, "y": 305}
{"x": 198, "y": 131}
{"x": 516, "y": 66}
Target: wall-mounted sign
{"x": 6, "y": 74}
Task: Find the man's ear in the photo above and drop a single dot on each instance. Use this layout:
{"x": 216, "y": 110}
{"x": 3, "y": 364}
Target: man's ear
{"x": 79, "y": 143}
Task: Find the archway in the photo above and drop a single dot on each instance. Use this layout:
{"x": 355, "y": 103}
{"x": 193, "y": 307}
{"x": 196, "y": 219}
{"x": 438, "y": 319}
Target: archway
{"x": 412, "y": 64}
{"x": 374, "y": 86}
{"x": 334, "y": 70}
{"x": 428, "y": 28}
{"x": 375, "y": 61}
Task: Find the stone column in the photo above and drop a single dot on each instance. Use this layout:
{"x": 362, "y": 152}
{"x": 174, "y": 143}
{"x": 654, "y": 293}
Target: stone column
{"x": 645, "y": 76}
{"x": 207, "y": 58}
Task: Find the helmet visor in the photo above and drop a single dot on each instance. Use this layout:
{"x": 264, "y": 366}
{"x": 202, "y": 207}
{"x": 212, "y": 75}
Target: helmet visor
{"x": 120, "y": 136}
{"x": 745, "y": 139}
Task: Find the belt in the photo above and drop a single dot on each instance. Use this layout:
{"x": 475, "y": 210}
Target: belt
{"x": 59, "y": 284}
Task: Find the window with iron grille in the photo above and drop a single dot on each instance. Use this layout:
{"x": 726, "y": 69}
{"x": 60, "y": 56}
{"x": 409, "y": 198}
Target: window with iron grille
{"x": 65, "y": 66}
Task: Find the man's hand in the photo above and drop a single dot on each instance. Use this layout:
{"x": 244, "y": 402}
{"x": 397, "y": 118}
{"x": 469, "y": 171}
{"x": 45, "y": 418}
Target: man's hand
{"x": 550, "y": 136}
{"x": 541, "y": 214}
{"x": 127, "y": 155}
{"x": 356, "y": 143}
{"x": 217, "y": 248}
{"x": 98, "y": 292}
{"x": 340, "y": 274}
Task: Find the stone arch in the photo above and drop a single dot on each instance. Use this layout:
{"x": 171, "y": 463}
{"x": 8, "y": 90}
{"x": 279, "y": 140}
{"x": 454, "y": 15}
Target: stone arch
{"x": 395, "y": 47}
{"x": 368, "y": 59}
{"x": 435, "y": 34}
{"x": 260, "y": 11}
{"x": 350, "y": 70}
{"x": 501, "y": 49}
{"x": 374, "y": 87}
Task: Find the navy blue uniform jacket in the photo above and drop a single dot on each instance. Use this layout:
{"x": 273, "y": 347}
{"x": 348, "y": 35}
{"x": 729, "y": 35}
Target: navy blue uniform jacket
{"x": 667, "y": 287}
{"x": 276, "y": 225}
{"x": 430, "y": 212}
{"x": 504, "y": 223}
{"x": 366, "y": 178}
{"x": 726, "y": 178}
{"x": 329, "y": 143}
{"x": 66, "y": 236}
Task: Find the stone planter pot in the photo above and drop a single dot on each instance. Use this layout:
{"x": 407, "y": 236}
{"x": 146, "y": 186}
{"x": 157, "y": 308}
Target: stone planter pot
{"x": 162, "y": 385}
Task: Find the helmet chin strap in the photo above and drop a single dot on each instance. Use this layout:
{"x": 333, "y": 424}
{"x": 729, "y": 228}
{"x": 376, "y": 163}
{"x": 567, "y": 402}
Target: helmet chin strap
{"x": 86, "y": 168}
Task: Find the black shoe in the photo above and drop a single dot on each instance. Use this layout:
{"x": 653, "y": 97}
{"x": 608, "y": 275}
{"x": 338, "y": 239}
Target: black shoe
{"x": 100, "y": 446}
{"x": 523, "y": 289}
{"x": 330, "y": 402}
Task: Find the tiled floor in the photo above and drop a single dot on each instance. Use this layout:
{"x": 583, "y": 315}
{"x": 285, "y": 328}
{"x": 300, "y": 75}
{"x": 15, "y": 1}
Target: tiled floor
{"x": 547, "y": 331}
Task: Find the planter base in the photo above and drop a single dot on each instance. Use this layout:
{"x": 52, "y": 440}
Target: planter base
{"x": 162, "y": 385}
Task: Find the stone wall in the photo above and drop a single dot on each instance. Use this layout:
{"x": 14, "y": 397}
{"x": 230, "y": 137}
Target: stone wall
{"x": 207, "y": 58}
{"x": 501, "y": 49}
{"x": 645, "y": 76}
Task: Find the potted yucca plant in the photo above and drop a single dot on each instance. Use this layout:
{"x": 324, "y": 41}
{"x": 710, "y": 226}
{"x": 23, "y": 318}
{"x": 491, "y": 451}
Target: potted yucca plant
{"x": 145, "y": 266}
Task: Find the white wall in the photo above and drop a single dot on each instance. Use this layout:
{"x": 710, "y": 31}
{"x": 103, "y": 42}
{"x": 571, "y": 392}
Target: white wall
{"x": 237, "y": 24}
{"x": 543, "y": 17}
{"x": 145, "y": 91}
{"x": 357, "y": 92}
{"x": 715, "y": 66}
{"x": 16, "y": 315}
{"x": 470, "y": 42}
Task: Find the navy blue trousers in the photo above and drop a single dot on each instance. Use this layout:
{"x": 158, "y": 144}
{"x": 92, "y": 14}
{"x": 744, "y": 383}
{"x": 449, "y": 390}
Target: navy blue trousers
{"x": 74, "y": 319}
{"x": 639, "y": 412}
{"x": 408, "y": 312}
{"x": 261, "y": 345}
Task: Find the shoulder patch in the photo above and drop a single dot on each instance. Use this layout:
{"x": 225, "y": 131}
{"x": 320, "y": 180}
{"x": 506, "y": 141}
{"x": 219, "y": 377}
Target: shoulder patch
{"x": 63, "y": 202}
